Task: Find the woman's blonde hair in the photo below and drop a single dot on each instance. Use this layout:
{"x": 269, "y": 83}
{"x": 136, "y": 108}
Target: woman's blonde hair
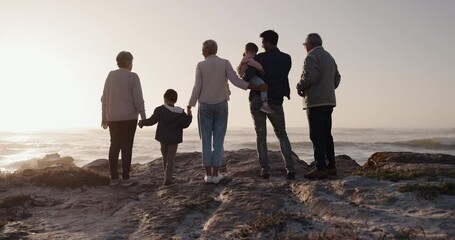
{"x": 210, "y": 47}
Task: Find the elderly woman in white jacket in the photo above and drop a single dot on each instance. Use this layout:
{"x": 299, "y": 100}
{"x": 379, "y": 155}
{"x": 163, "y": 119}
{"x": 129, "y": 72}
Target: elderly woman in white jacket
{"x": 211, "y": 90}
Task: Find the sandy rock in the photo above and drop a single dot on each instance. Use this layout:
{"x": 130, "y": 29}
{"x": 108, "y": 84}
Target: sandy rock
{"x": 242, "y": 206}
{"x": 99, "y": 165}
{"x": 346, "y": 166}
{"x": 55, "y": 159}
{"x": 102, "y": 166}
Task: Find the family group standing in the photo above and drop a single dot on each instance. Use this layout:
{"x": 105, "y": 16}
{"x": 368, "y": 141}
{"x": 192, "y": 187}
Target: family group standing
{"x": 265, "y": 74}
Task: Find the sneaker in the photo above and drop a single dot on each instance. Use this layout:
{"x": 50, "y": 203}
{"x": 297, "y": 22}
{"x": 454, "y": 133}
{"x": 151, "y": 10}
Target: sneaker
{"x": 217, "y": 179}
{"x": 208, "y": 179}
{"x": 127, "y": 182}
{"x": 115, "y": 182}
{"x": 316, "y": 174}
{"x": 332, "y": 171}
{"x": 267, "y": 109}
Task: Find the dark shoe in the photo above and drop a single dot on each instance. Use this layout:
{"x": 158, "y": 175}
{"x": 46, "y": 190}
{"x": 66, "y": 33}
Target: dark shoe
{"x": 332, "y": 171}
{"x": 316, "y": 174}
{"x": 168, "y": 182}
{"x": 263, "y": 175}
{"x": 290, "y": 176}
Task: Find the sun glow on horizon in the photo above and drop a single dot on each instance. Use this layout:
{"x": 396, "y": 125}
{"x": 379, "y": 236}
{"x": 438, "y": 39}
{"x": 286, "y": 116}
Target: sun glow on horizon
{"x": 39, "y": 92}
{"x": 56, "y": 56}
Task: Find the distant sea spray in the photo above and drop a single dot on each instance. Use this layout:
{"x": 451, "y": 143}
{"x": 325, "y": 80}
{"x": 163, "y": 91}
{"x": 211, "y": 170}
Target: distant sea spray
{"x": 86, "y": 145}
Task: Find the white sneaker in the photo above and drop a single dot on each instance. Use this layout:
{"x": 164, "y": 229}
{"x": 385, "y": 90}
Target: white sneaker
{"x": 127, "y": 182}
{"x": 115, "y": 182}
{"x": 267, "y": 109}
{"x": 208, "y": 179}
{"x": 217, "y": 179}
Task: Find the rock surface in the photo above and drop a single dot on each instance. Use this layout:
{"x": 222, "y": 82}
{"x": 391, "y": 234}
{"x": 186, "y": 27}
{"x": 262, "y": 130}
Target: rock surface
{"x": 409, "y": 160}
{"x": 53, "y": 160}
{"x": 242, "y": 206}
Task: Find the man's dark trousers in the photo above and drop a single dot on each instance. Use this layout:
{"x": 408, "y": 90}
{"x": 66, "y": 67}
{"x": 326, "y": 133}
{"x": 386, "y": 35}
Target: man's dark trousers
{"x": 320, "y": 121}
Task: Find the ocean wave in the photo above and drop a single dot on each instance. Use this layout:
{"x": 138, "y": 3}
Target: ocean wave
{"x": 440, "y": 143}
{"x": 429, "y": 143}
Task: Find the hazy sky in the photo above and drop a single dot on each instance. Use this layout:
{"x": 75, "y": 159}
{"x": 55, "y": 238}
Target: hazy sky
{"x": 396, "y": 58}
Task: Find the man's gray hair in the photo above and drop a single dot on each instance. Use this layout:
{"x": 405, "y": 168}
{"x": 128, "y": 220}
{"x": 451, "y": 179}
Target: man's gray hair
{"x": 210, "y": 47}
{"x": 314, "y": 39}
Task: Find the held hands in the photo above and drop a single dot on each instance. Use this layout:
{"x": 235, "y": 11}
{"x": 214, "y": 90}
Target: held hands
{"x": 188, "y": 110}
{"x": 104, "y": 124}
{"x": 300, "y": 91}
{"x": 140, "y": 124}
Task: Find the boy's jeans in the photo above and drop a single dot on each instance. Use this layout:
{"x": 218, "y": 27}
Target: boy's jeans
{"x": 258, "y": 81}
{"x": 212, "y": 129}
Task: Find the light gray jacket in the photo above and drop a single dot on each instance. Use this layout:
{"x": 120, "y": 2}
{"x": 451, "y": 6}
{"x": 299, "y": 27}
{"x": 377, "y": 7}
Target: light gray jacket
{"x": 122, "y": 96}
{"x": 319, "y": 79}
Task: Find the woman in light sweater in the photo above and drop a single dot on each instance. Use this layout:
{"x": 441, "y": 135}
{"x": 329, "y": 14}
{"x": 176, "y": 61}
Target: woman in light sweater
{"x": 211, "y": 90}
{"x": 122, "y": 102}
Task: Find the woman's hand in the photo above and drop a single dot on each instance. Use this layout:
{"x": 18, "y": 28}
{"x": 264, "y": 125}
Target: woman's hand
{"x": 104, "y": 124}
{"x": 188, "y": 110}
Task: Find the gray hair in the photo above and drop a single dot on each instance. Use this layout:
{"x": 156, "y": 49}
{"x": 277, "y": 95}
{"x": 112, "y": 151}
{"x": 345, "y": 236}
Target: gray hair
{"x": 314, "y": 39}
{"x": 124, "y": 59}
{"x": 210, "y": 47}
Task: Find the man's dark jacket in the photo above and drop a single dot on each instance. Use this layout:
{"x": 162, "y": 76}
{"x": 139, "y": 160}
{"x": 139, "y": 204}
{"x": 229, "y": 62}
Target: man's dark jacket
{"x": 276, "y": 66}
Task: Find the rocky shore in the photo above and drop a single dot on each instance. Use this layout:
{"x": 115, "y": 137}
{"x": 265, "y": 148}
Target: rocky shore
{"x": 394, "y": 196}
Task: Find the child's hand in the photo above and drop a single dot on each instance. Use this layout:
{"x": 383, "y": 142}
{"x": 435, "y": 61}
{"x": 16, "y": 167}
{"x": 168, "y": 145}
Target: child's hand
{"x": 140, "y": 124}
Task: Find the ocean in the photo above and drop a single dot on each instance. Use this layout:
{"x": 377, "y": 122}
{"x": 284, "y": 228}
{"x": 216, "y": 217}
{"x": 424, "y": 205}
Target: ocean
{"x": 86, "y": 145}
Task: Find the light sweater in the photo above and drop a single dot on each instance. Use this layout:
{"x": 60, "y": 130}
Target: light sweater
{"x": 319, "y": 79}
{"x": 211, "y": 86}
{"x": 122, "y": 96}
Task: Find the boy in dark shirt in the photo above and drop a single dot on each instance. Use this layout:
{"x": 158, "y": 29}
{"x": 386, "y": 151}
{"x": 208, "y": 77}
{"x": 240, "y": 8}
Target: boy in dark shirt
{"x": 171, "y": 122}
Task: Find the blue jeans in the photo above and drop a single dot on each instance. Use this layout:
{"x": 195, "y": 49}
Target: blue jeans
{"x": 320, "y": 122}
{"x": 258, "y": 81}
{"x": 213, "y": 120}
{"x": 279, "y": 126}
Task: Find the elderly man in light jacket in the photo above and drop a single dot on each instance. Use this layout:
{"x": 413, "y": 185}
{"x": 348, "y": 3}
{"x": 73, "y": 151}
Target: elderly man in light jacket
{"x": 317, "y": 86}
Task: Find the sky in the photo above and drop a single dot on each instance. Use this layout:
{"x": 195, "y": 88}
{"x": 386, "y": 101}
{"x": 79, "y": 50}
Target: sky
{"x": 396, "y": 58}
